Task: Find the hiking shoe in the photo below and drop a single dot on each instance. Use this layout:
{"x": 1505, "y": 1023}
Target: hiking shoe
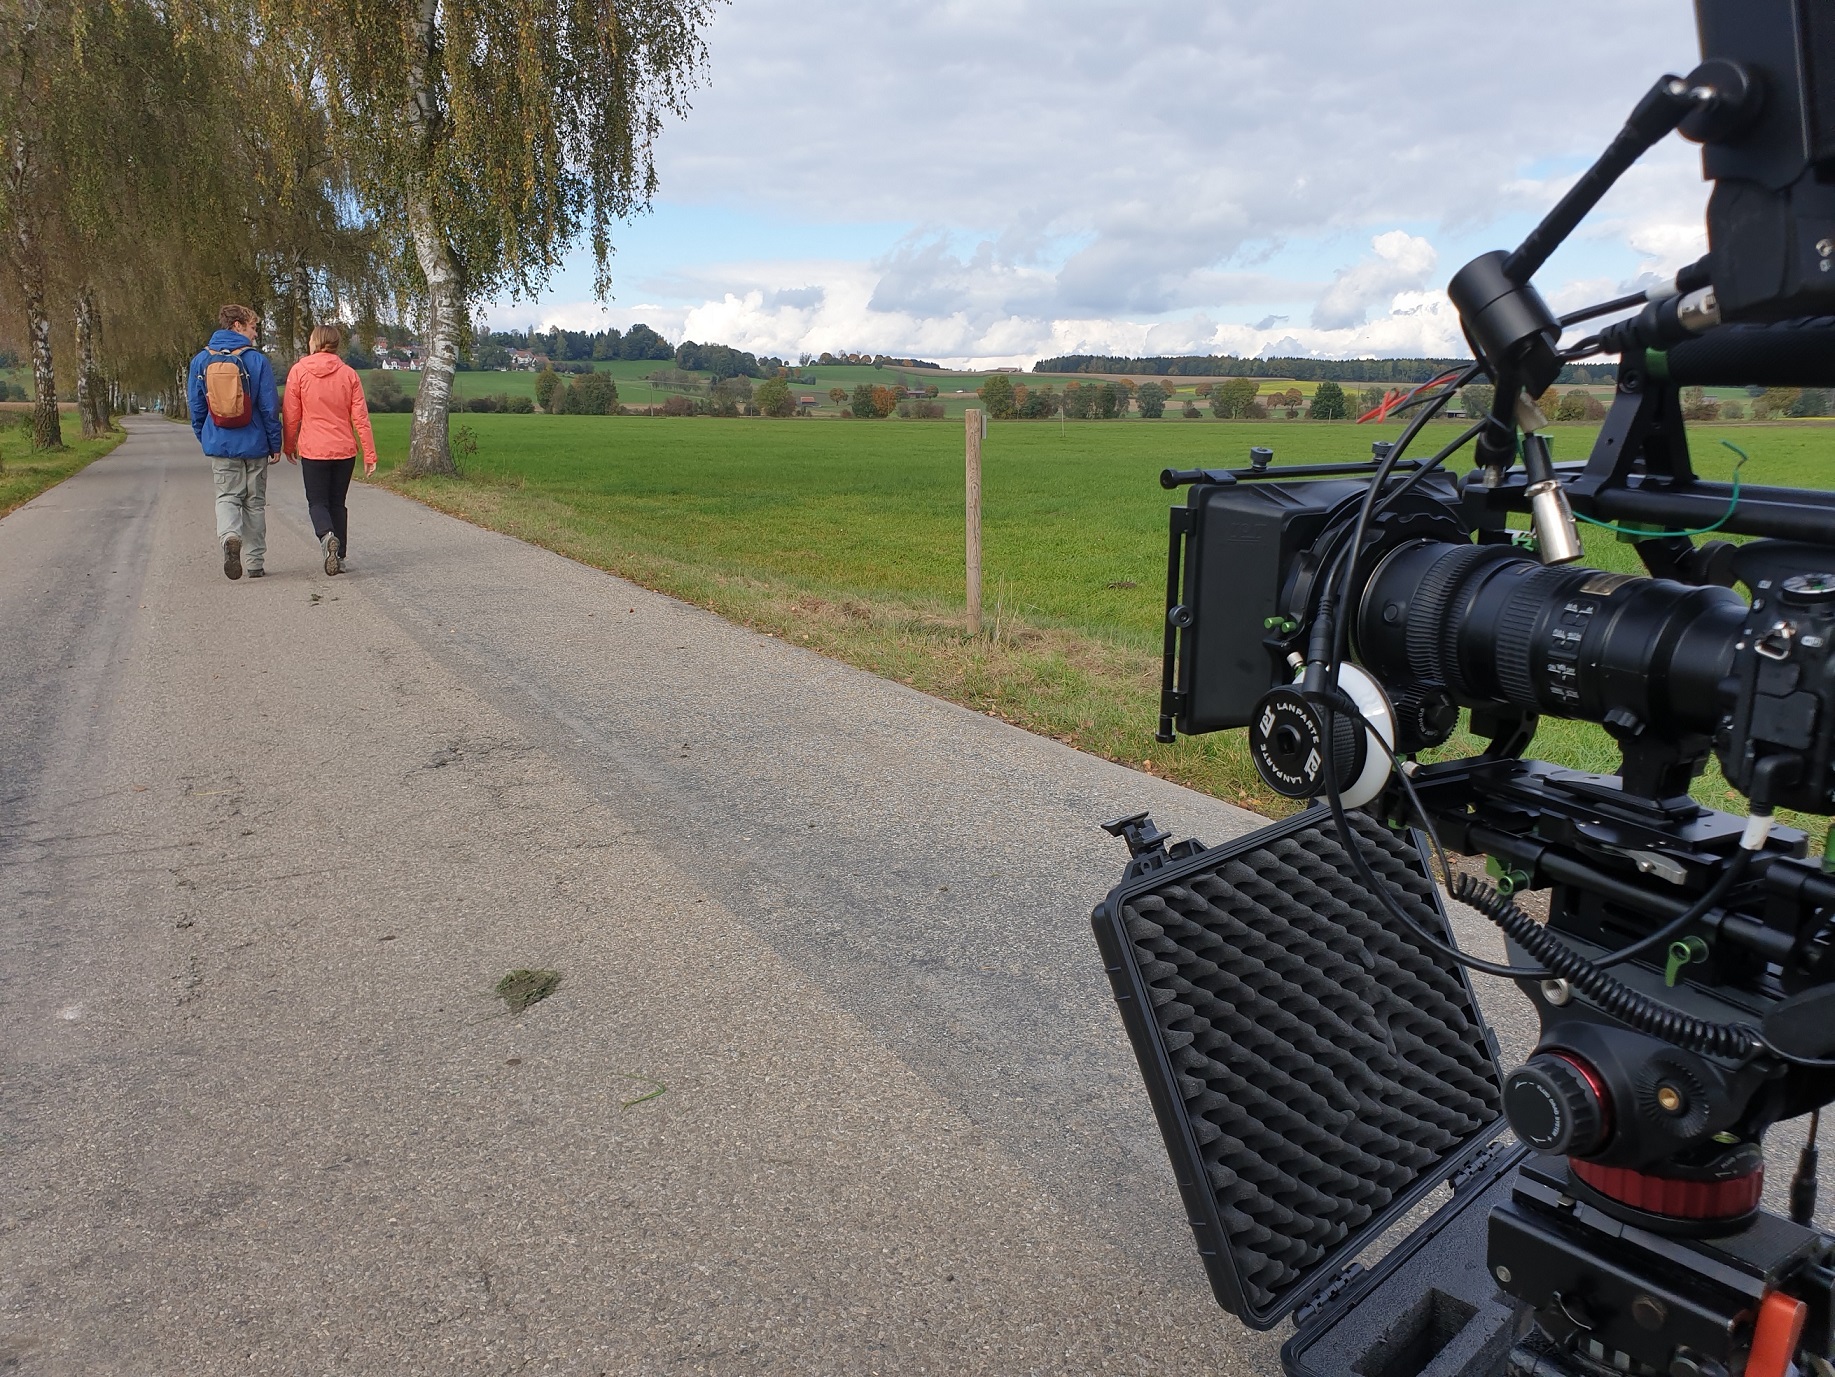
{"x": 258, "y": 573}
{"x": 333, "y": 565}
{"x": 232, "y": 557}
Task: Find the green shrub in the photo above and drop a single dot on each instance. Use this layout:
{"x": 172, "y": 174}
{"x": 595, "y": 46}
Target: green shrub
{"x": 592, "y": 394}
{"x": 773, "y": 398}
{"x": 384, "y": 394}
{"x": 520, "y": 406}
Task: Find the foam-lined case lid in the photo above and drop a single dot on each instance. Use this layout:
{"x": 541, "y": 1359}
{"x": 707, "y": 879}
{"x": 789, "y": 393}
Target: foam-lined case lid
{"x": 1315, "y": 1068}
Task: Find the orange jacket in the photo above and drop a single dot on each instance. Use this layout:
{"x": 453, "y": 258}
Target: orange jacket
{"x": 324, "y": 414}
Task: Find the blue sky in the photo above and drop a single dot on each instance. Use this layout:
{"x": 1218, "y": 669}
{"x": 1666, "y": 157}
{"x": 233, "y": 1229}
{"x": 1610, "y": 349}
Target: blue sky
{"x": 993, "y": 181}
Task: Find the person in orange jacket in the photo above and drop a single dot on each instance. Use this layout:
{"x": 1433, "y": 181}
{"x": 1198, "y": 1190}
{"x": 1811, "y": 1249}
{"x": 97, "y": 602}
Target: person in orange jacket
{"x": 323, "y": 417}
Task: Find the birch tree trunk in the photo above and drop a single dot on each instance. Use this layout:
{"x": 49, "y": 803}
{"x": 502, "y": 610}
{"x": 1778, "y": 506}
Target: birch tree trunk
{"x": 28, "y": 259}
{"x": 429, "y": 450}
{"x": 428, "y": 447}
{"x": 47, "y": 431}
{"x": 91, "y": 389}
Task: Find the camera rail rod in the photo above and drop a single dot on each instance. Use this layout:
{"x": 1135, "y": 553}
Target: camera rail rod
{"x": 1780, "y": 513}
{"x": 1178, "y": 478}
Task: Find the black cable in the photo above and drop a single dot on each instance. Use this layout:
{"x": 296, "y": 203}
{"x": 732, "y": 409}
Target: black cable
{"x": 1731, "y": 876}
{"x": 1430, "y": 465}
{"x": 1591, "y": 345}
{"x": 1334, "y": 656}
{"x": 1353, "y": 845}
{"x": 1454, "y": 951}
{"x": 1384, "y": 470}
{"x": 1607, "y": 993}
{"x": 1415, "y": 476}
{"x": 1561, "y": 961}
{"x": 1604, "y": 308}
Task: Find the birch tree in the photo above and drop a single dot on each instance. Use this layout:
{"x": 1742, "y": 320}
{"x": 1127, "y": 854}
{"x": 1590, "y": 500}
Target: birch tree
{"x": 30, "y": 50}
{"x": 489, "y": 135}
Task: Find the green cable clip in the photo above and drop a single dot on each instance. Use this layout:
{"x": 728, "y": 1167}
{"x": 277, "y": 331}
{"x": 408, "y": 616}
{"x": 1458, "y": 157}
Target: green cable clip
{"x": 1523, "y": 540}
{"x": 1631, "y": 532}
{"x": 1828, "y": 851}
{"x": 1509, "y": 880}
{"x": 1682, "y": 953}
{"x": 1286, "y": 626}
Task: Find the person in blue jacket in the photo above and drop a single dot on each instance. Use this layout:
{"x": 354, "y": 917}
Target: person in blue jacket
{"x": 235, "y": 413}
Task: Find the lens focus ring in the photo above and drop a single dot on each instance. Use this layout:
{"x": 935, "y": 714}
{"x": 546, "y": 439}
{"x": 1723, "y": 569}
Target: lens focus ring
{"x": 1431, "y": 636}
{"x": 1516, "y": 643}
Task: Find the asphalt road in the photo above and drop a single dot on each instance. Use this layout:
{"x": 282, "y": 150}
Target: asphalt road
{"x": 267, "y": 847}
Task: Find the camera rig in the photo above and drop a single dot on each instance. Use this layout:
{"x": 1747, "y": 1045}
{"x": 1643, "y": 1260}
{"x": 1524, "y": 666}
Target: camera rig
{"x": 1297, "y": 1001}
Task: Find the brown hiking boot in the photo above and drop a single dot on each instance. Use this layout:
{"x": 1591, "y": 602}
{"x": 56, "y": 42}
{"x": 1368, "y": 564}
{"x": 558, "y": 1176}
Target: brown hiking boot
{"x": 232, "y": 557}
{"x": 333, "y": 565}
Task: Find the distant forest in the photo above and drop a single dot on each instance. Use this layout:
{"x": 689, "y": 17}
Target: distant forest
{"x": 1300, "y": 370}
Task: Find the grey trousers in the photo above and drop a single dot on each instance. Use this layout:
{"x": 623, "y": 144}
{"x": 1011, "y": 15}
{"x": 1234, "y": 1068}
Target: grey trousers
{"x": 242, "y": 505}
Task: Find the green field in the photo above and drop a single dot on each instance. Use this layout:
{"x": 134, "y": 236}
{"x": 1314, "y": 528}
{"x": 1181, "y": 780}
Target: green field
{"x": 849, "y": 537}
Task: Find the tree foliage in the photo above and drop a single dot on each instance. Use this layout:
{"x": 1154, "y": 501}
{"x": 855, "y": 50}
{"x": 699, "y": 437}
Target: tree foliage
{"x": 997, "y": 396}
{"x": 161, "y": 161}
{"x": 1811, "y": 401}
{"x": 773, "y": 398}
{"x": 1152, "y": 400}
{"x": 1041, "y": 404}
{"x": 1328, "y": 403}
{"x": 1233, "y": 398}
{"x": 486, "y": 138}
{"x": 589, "y": 394}
{"x": 1774, "y": 401}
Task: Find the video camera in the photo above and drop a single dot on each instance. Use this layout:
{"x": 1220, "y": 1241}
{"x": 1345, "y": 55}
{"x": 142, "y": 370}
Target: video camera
{"x": 1297, "y": 1000}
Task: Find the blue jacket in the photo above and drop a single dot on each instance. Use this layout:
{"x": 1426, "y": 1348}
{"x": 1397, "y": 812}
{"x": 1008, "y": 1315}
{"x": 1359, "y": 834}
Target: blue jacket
{"x": 261, "y": 436}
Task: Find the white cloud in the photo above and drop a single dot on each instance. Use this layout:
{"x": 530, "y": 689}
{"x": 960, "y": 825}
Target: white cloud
{"x": 1400, "y": 262}
{"x": 1063, "y": 176}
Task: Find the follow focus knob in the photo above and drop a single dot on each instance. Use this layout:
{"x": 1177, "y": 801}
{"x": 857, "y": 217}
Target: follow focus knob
{"x": 1555, "y": 1106}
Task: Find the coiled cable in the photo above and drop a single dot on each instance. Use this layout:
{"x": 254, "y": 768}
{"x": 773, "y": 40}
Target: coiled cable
{"x": 1629, "y": 1006}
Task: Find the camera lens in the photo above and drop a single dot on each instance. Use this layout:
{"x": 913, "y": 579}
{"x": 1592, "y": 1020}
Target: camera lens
{"x": 1493, "y": 626}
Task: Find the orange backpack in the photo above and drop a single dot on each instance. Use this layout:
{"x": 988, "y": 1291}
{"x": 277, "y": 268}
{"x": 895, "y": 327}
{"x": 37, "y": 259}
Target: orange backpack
{"x": 226, "y": 388}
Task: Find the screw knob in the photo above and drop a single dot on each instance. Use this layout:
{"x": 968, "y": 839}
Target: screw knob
{"x": 1555, "y": 1107}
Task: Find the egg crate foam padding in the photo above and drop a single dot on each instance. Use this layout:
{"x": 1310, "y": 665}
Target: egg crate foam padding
{"x": 1315, "y": 1068}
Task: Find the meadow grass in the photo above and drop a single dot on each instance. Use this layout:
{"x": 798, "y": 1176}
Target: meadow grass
{"x": 25, "y": 472}
{"x": 848, "y": 537}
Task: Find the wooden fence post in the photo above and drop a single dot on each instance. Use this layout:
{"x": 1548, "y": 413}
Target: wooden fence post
{"x": 974, "y": 425}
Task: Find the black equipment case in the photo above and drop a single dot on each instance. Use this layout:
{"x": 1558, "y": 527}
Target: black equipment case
{"x": 1316, "y": 1071}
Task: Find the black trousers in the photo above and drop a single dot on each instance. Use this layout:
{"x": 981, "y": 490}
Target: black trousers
{"x": 327, "y": 485}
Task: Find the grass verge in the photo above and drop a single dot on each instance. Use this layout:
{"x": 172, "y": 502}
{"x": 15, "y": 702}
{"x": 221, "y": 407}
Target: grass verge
{"x": 26, "y": 472}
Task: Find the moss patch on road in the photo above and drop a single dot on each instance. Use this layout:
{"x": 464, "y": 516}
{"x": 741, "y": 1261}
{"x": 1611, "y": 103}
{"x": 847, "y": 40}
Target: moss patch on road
{"x": 521, "y": 988}
{"x": 26, "y": 472}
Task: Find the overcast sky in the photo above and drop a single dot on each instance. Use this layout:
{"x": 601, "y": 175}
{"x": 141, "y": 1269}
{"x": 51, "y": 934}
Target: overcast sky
{"x": 994, "y": 181}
